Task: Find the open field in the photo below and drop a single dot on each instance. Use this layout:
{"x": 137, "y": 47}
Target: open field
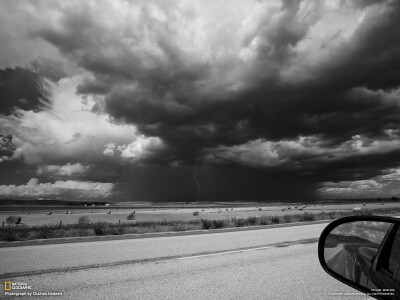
{"x": 38, "y": 225}
{"x": 97, "y": 214}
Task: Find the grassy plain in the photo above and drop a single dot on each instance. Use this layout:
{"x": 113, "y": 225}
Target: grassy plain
{"x": 39, "y": 217}
{"x": 36, "y": 224}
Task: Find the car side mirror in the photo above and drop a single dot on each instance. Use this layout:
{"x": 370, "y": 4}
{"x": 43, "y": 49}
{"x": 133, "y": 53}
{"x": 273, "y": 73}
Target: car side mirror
{"x": 364, "y": 253}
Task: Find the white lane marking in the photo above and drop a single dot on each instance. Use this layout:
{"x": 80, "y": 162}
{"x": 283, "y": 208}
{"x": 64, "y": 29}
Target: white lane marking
{"x": 226, "y": 252}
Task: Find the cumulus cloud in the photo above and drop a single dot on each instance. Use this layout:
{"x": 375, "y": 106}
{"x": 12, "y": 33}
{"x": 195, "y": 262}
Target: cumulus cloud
{"x": 360, "y": 188}
{"x": 306, "y": 153}
{"x": 384, "y": 185}
{"x": 109, "y": 149}
{"x": 68, "y": 130}
{"x": 139, "y": 147}
{"x": 58, "y": 190}
{"x": 65, "y": 170}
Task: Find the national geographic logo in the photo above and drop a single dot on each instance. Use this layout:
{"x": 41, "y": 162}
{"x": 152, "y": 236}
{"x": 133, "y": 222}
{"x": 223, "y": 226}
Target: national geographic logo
{"x": 8, "y": 286}
{"x": 14, "y": 289}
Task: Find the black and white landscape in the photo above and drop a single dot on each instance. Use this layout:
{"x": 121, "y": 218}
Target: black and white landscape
{"x": 159, "y": 149}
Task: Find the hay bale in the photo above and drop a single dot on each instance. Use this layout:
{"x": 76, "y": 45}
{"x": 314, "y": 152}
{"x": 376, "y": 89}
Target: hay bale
{"x": 13, "y": 220}
{"x": 84, "y": 220}
{"x": 131, "y": 216}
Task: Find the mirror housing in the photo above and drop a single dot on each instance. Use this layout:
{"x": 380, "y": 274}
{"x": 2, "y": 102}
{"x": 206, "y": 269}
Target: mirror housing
{"x": 364, "y": 253}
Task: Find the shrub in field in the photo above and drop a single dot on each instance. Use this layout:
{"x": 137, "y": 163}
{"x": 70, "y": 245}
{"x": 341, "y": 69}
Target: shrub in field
{"x": 367, "y": 212}
{"x": 13, "y": 220}
{"x": 24, "y": 234}
{"x": 84, "y": 220}
{"x": 131, "y": 216}
{"x": 178, "y": 226}
{"x": 9, "y": 235}
{"x": 307, "y": 217}
{"x": 332, "y": 215}
{"x": 99, "y": 228}
{"x": 196, "y": 213}
{"x": 253, "y": 220}
{"x": 116, "y": 231}
{"x": 287, "y": 219}
{"x": 206, "y": 224}
{"x": 218, "y": 224}
{"x": 264, "y": 220}
{"x": 275, "y": 220}
{"x": 85, "y": 232}
{"x": 240, "y": 222}
{"x": 212, "y": 224}
{"x": 44, "y": 232}
{"x": 72, "y": 232}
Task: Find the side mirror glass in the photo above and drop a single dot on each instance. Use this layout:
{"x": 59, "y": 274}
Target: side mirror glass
{"x": 363, "y": 252}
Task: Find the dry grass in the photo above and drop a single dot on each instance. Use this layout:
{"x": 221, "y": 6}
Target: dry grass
{"x": 23, "y": 232}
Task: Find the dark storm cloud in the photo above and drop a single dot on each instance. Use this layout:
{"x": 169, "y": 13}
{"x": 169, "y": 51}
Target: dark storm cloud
{"x": 23, "y": 89}
{"x": 15, "y": 172}
{"x": 155, "y": 183}
{"x": 362, "y": 167}
{"x": 345, "y": 97}
{"x": 169, "y": 95}
{"x": 272, "y": 94}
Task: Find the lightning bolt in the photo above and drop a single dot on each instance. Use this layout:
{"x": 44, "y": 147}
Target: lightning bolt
{"x": 195, "y": 179}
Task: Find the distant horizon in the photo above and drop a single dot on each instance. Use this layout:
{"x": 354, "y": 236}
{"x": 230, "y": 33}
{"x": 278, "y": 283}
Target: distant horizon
{"x": 2, "y": 201}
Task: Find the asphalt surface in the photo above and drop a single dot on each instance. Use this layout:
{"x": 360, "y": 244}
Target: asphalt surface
{"x": 277, "y": 263}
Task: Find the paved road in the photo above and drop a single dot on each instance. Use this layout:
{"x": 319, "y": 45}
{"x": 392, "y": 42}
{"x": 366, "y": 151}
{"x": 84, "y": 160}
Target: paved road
{"x": 234, "y": 265}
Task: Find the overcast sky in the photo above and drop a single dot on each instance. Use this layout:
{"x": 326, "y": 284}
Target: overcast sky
{"x": 121, "y": 100}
